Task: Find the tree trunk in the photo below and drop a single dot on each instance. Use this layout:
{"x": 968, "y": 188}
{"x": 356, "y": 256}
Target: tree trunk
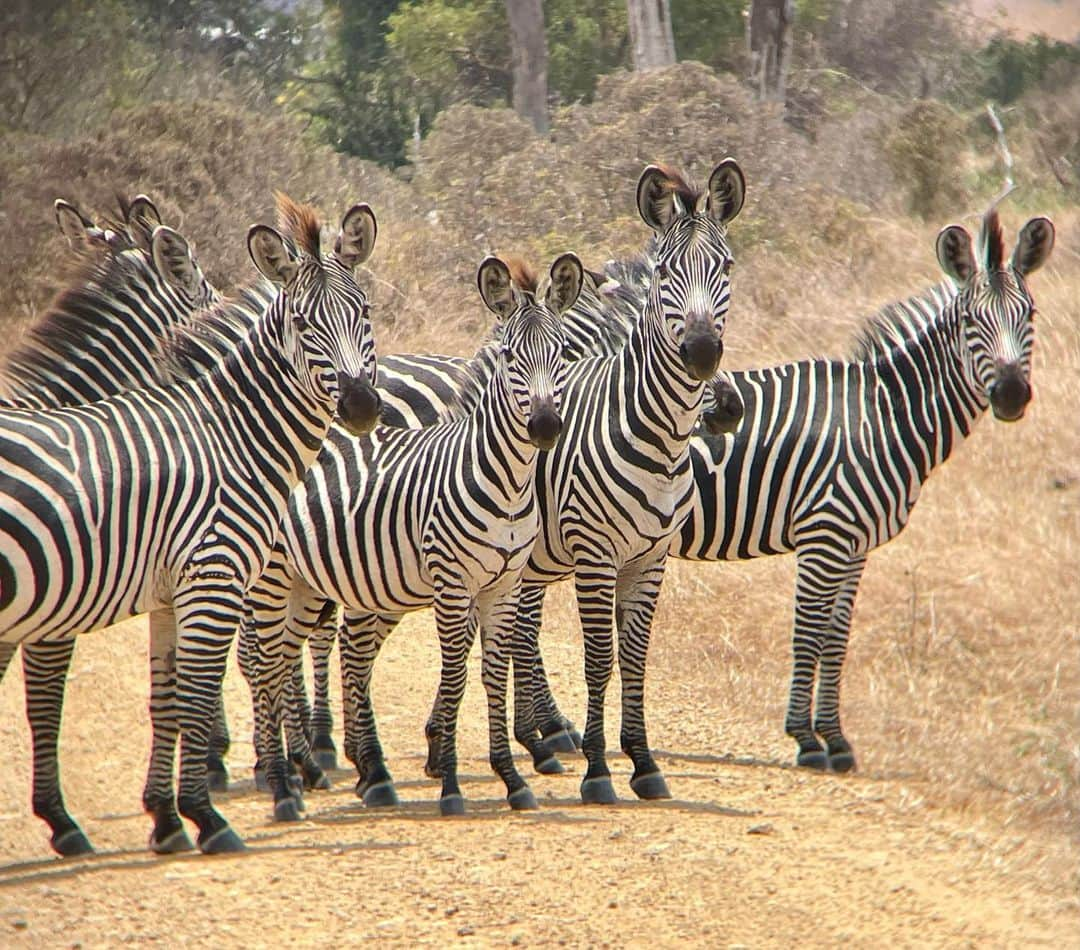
{"x": 528, "y": 53}
{"x": 650, "y": 33}
{"x": 769, "y": 36}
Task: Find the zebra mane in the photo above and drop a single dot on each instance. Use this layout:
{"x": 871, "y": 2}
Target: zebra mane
{"x": 992, "y": 242}
{"x": 901, "y": 321}
{"x": 523, "y": 274}
{"x": 300, "y": 223}
{"x": 208, "y": 337}
{"x": 677, "y": 184}
{"x": 73, "y": 323}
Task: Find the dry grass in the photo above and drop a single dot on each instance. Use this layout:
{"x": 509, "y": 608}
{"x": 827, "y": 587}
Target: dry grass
{"x": 963, "y": 678}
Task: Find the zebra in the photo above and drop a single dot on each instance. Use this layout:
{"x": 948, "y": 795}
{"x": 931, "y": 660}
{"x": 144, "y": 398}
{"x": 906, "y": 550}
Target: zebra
{"x": 618, "y": 485}
{"x": 167, "y": 499}
{"x": 832, "y": 454}
{"x": 100, "y": 337}
{"x": 419, "y": 391}
{"x": 442, "y": 516}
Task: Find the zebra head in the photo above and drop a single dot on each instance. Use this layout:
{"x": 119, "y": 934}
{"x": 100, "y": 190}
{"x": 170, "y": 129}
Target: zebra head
{"x": 722, "y": 407}
{"x": 327, "y": 328}
{"x": 690, "y": 281}
{"x": 175, "y": 264}
{"x": 531, "y": 336}
{"x": 995, "y": 309}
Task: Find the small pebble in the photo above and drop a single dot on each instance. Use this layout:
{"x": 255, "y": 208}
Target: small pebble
{"x": 765, "y": 829}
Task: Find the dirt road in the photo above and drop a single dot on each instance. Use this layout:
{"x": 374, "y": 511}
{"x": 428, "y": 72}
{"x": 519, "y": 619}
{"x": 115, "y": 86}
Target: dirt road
{"x": 749, "y": 852}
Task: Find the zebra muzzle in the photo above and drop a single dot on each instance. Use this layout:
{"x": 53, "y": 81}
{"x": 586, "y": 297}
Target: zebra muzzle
{"x": 725, "y": 413}
{"x": 544, "y": 426}
{"x": 1010, "y": 394}
{"x": 359, "y": 404}
{"x": 700, "y": 352}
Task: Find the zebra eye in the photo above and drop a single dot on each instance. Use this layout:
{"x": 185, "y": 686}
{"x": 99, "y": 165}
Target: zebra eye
{"x": 508, "y": 355}
{"x": 728, "y": 264}
{"x": 299, "y": 322}
{"x": 662, "y": 271}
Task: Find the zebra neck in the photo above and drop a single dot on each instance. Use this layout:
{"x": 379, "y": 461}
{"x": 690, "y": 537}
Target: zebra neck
{"x": 504, "y": 459}
{"x": 661, "y": 403}
{"x": 926, "y": 393}
{"x": 257, "y": 394}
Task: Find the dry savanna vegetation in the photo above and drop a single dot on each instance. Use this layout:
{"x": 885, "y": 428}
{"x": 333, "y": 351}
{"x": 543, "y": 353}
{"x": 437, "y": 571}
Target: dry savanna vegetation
{"x": 962, "y": 686}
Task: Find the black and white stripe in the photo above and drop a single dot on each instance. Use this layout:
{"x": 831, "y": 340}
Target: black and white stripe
{"x": 831, "y": 455}
{"x": 442, "y": 516}
{"x": 167, "y": 499}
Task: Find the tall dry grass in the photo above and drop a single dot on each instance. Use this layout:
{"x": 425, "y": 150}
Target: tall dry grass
{"x": 963, "y": 677}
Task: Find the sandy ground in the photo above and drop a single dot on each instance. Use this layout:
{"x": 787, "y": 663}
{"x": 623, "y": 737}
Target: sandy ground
{"x": 749, "y": 852}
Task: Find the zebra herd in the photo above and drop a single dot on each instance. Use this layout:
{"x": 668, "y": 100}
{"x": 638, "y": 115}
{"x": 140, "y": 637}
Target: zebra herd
{"x": 217, "y": 463}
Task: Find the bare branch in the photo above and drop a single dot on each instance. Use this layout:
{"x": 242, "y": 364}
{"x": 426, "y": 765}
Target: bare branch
{"x": 1006, "y": 156}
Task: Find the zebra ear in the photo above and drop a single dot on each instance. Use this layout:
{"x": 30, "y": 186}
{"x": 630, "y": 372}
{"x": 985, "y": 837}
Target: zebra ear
{"x": 567, "y": 275}
{"x": 79, "y": 230}
{"x": 270, "y": 254}
{"x": 142, "y": 217}
{"x": 1033, "y": 246}
{"x": 727, "y": 191}
{"x": 955, "y": 253}
{"x": 174, "y": 261}
{"x": 656, "y": 199}
{"x": 357, "y": 236}
{"x": 493, "y": 279}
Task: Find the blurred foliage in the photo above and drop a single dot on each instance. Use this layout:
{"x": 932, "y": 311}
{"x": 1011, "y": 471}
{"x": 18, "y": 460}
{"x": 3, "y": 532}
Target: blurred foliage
{"x": 710, "y": 31}
{"x": 1006, "y": 68}
{"x": 925, "y": 152}
{"x": 353, "y": 91}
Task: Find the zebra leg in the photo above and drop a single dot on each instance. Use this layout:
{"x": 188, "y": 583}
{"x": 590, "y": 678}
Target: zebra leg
{"x": 305, "y": 617}
{"x": 634, "y": 607}
{"x": 534, "y": 706}
{"x": 820, "y": 577}
{"x": 457, "y": 628}
{"x": 207, "y": 615}
{"x": 322, "y": 720}
{"x": 271, "y": 658}
{"x": 362, "y": 635}
{"x": 595, "y": 586}
{"x": 217, "y": 773}
{"x": 433, "y": 726}
{"x": 841, "y": 758}
{"x": 45, "y": 669}
{"x": 297, "y": 723}
{"x": 159, "y": 796}
{"x": 247, "y": 653}
{"x": 497, "y": 611}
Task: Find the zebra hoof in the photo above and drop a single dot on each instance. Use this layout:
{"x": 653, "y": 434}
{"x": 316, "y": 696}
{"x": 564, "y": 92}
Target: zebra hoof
{"x": 523, "y": 799}
{"x": 550, "y": 766}
{"x": 262, "y": 783}
{"x": 813, "y": 760}
{"x": 650, "y": 787}
{"x": 452, "y": 805}
{"x": 217, "y": 780}
{"x": 71, "y": 844}
{"x": 575, "y": 737}
{"x": 842, "y": 762}
{"x": 380, "y": 795}
{"x": 562, "y": 742}
{"x": 288, "y": 809}
{"x": 598, "y": 791}
{"x": 223, "y": 841}
{"x": 176, "y": 843}
{"x": 322, "y": 783}
{"x": 295, "y": 785}
{"x": 326, "y": 759}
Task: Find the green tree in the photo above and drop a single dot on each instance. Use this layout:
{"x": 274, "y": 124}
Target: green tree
{"x": 354, "y": 92}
